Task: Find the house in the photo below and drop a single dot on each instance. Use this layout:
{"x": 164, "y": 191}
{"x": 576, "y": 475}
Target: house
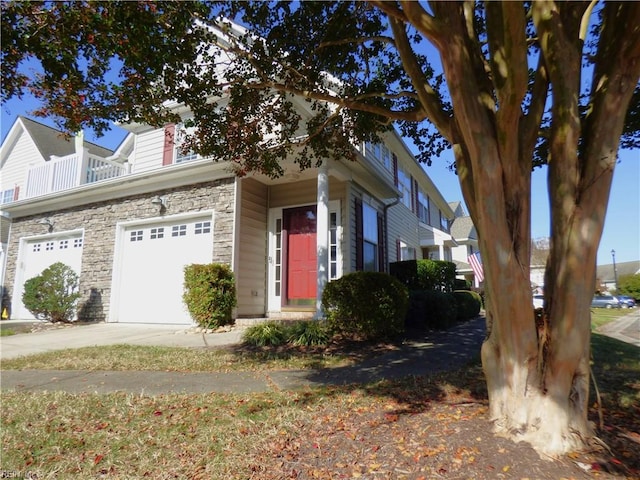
{"x": 466, "y": 243}
{"x": 607, "y": 275}
{"x": 128, "y": 221}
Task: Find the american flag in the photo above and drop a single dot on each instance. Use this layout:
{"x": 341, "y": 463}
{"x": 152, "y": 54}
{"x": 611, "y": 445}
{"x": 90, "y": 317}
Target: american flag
{"x": 476, "y": 265}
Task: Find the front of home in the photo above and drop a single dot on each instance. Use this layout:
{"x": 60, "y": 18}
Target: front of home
{"x": 128, "y": 221}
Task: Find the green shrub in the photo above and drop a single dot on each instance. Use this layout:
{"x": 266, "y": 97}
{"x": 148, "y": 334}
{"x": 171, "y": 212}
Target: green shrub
{"x": 366, "y": 304}
{"x": 209, "y": 294}
{"x": 309, "y": 333}
{"x": 468, "y": 304}
{"x": 461, "y": 284}
{"x": 432, "y": 309}
{"x": 406, "y": 271}
{"x": 436, "y": 275}
{"x": 270, "y": 333}
{"x": 53, "y": 294}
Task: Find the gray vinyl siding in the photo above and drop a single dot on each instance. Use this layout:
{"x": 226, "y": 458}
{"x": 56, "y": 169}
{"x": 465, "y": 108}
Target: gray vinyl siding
{"x": 252, "y": 249}
{"x": 402, "y": 224}
{"x": 303, "y": 193}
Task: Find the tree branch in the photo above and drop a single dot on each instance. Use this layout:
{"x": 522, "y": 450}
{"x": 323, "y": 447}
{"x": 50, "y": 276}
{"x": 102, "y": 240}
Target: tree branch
{"x": 429, "y": 99}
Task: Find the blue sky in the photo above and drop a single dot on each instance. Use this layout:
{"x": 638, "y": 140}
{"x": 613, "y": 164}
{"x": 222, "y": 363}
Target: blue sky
{"x": 622, "y": 225}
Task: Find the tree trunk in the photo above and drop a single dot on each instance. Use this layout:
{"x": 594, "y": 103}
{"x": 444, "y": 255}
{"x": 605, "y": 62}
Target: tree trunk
{"x": 537, "y": 370}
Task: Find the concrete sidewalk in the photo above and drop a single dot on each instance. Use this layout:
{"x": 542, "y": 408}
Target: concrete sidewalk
{"x": 625, "y": 329}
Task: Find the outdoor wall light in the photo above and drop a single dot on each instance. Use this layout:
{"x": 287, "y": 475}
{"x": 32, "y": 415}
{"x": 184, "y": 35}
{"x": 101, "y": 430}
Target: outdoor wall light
{"x": 48, "y": 223}
{"x": 160, "y": 201}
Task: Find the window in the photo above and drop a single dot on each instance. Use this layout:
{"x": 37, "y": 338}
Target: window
{"x": 136, "y": 236}
{"x": 182, "y": 154}
{"x": 63, "y": 244}
{"x": 406, "y": 252}
{"x": 49, "y": 246}
{"x": 6, "y": 196}
{"x": 77, "y": 243}
{"x": 444, "y": 222}
{"x": 278, "y": 262}
{"x": 370, "y": 237}
{"x": 202, "y": 227}
{"x": 178, "y": 230}
{"x": 404, "y": 185}
{"x": 157, "y": 233}
{"x": 379, "y": 152}
{"x": 423, "y": 207}
{"x": 333, "y": 246}
{"x": 36, "y": 247}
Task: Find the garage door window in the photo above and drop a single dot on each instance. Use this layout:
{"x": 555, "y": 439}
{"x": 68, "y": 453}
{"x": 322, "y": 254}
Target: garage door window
{"x": 202, "y": 227}
{"x": 157, "y": 233}
{"x": 136, "y": 236}
{"x": 63, "y": 244}
{"x": 49, "y": 246}
{"x": 178, "y": 230}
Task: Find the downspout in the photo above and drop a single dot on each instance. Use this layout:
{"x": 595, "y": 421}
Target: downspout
{"x": 386, "y": 231}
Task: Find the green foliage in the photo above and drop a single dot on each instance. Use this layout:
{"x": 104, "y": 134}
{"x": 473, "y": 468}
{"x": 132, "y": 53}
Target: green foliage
{"x": 270, "y": 333}
{"x": 366, "y": 304}
{"x": 461, "y": 284}
{"x": 436, "y": 275}
{"x": 629, "y": 285}
{"x": 309, "y": 333}
{"x": 406, "y": 271}
{"x": 209, "y": 294}
{"x": 52, "y": 295}
{"x": 432, "y": 309}
{"x": 468, "y": 304}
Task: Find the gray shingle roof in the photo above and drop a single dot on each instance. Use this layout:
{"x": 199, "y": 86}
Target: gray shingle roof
{"x": 463, "y": 227}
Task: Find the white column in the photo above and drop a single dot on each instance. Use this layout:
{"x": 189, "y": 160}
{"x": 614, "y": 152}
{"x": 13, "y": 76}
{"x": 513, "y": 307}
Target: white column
{"x": 322, "y": 236}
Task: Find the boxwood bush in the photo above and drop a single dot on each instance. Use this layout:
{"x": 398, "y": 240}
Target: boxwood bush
{"x": 210, "y": 294}
{"x": 368, "y": 305}
{"x": 432, "y": 309}
{"x": 468, "y": 304}
{"x": 52, "y": 295}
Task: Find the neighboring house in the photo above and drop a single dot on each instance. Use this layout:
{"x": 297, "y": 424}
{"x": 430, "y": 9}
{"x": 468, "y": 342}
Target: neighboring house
{"x": 129, "y": 220}
{"x": 606, "y": 276}
{"x": 466, "y": 243}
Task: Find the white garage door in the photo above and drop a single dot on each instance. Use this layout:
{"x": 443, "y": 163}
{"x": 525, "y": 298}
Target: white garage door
{"x": 152, "y": 269}
{"x": 36, "y": 255}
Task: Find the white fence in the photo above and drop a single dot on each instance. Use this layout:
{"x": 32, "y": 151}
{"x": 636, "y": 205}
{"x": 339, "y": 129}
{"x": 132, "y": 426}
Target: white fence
{"x": 62, "y": 173}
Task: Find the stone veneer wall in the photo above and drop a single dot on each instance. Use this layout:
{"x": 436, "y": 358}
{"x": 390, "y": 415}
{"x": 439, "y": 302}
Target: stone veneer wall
{"x": 99, "y": 222}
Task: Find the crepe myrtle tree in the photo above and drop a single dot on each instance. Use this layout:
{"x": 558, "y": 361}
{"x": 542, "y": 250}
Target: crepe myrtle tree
{"x": 508, "y": 86}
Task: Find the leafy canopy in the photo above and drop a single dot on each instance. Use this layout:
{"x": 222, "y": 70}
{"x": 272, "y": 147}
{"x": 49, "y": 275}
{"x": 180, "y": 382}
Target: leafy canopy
{"x": 125, "y": 61}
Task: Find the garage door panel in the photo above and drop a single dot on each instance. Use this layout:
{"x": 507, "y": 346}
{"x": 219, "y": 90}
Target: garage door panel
{"x": 153, "y": 261}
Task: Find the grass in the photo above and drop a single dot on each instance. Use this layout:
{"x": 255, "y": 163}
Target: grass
{"x": 179, "y": 359}
{"x": 602, "y": 316}
{"x": 239, "y": 436}
{"x": 6, "y": 332}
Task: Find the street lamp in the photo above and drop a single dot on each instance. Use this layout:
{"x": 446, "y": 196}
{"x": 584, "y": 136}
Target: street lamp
{"x": 615, "y": 270}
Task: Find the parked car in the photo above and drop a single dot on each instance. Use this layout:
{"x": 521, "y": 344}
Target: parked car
{"x": 538, "y": 301}
{"x": 605, "y": 301}
{"x": 626, "y": 302}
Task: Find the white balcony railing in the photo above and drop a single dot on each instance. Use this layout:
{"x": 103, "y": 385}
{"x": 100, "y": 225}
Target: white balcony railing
{"x": 62, "y": 173}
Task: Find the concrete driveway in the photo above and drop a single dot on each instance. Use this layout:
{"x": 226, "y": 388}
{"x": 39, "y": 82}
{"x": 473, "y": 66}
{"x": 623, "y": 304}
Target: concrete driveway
{"x": 76, "y": 336}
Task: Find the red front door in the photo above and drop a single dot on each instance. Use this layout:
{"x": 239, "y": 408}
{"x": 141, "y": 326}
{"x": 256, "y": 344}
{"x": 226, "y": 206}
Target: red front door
{"x": 300, "y": 225}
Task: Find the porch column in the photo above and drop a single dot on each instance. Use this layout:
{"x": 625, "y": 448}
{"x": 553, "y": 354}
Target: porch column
{"x": 322, "y": 236}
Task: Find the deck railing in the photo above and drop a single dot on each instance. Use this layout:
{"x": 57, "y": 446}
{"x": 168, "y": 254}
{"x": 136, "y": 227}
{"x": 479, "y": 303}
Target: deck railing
{"x": 62, "y": 173}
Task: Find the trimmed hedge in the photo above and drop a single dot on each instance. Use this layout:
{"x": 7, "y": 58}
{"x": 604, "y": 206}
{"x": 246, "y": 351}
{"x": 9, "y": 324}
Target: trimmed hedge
{"x": 366, "y": 304}
{"x": 432, "y": 309}
{"x": 209, "y": 294}
{"x": 425, "y": 274}
{"x": 468, "y": 304}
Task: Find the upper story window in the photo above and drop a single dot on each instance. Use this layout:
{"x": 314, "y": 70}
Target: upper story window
{"x": 183, "y": 154}
{"x": 423, "y": 207}
{"x": 404, "y": 185}
{"x": 6, "y": 196}
{"x": 380, "y": 152}
{"x": 444, "y": 222}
